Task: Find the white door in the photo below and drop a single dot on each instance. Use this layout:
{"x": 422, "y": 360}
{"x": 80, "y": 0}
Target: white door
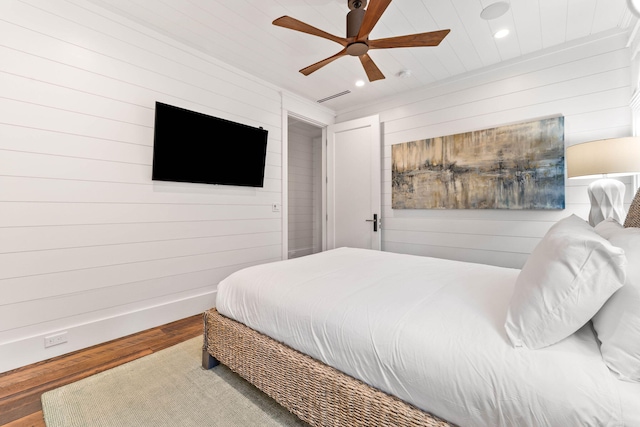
{"x": 353, "y": 184}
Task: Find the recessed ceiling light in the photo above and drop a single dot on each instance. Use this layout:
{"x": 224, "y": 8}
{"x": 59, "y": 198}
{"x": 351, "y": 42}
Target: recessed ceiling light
{"x": 501, "y": 33}
{"x": 360, "y": 83}
{"x": 494, "y": 10}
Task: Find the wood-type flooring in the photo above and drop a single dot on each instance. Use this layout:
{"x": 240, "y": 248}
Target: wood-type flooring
{"x": 20, "y": 389}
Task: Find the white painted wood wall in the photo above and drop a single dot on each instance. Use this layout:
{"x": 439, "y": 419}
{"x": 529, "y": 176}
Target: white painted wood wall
{"x": 88, "y": 243}
{"x": 303, "y": 191}
{"x": 318, "y": 196}
{"x": 590, "y": 84}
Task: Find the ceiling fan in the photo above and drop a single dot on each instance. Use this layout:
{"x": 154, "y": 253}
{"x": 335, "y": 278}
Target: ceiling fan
{"x": 360, "y": 23}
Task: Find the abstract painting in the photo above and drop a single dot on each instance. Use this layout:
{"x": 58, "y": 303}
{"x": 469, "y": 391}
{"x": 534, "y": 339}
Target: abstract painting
{"x": 517, "y": 166}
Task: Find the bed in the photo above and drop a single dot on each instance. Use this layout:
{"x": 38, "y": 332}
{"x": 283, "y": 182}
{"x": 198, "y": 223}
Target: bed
{"x": 359, "y": 337}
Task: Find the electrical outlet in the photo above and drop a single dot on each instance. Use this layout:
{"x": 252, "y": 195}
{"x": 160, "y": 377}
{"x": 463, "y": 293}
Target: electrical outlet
{"x": 56, "y": 339}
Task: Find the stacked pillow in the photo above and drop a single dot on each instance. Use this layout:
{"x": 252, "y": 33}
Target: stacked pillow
{"x": 579, "y": 273}
{"x": 567, "y": 278}
{"x": 617, "y": 324}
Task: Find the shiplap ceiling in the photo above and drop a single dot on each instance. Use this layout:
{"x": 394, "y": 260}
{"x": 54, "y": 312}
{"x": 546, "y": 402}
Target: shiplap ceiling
{"x": 240, "y": 33}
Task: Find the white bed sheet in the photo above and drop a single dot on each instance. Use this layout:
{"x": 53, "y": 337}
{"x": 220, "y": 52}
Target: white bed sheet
{"x": 431, "y": 332}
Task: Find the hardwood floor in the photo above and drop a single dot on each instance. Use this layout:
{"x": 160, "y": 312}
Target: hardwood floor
{"x": 20, "y": 389}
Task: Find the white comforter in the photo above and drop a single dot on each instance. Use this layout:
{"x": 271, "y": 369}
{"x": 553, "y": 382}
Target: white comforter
{"x": 431, "y": 332}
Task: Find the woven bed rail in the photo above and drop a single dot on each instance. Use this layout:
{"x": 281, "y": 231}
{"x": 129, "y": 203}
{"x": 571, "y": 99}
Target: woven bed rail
{"x": 315, "y": 392}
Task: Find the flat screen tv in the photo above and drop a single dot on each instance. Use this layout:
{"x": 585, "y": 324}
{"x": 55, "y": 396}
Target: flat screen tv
{"x": 195, "y": 147}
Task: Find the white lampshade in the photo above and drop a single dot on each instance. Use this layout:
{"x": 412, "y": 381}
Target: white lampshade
{"x": 634, "y": 6}
{"x": 605, "y": 158}
{"x": 611, "y": 157}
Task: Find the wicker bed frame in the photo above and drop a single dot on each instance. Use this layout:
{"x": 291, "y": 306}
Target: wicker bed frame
{"x": 315, "y": 392}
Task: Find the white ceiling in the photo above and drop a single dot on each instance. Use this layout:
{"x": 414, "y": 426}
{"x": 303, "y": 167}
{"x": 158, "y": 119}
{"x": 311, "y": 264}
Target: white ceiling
{"x": 240, "y": 33}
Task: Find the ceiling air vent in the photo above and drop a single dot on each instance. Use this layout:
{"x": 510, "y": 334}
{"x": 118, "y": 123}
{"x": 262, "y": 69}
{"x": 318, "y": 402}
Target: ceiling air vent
{"x": 333, "y": 96}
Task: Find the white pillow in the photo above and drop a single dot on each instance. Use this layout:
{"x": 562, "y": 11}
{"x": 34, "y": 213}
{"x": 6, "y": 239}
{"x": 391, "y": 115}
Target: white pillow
{"x": 617, "y": 324}
{"x": 567, "y": 278}
{"x": 608, "y": 228}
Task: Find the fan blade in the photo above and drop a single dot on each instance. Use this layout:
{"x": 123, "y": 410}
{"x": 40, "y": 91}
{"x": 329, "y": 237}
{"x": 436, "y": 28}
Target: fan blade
{"x": 315, "y": 67}
{"x": 294, "y": 24}
{"x": 373, "y": 13}
{"x": 373, "y": 72}
{"x": 413, "y": 40}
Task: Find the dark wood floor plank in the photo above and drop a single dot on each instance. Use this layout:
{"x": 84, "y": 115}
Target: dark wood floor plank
{"x": 21, "y": 389}
{"x": 81, "y": 360}
{"x": 33, "y": 420}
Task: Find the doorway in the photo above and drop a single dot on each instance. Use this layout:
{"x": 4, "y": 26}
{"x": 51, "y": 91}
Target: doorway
{"x": 304, "y": 188}
{"x": 353, "y": 184}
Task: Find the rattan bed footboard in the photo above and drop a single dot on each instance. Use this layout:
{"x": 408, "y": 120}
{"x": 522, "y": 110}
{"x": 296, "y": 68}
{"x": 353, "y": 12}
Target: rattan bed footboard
{"x": 315, "y": 392}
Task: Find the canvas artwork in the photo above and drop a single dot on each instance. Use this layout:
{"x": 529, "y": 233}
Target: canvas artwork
{"x": 519, "y": 166}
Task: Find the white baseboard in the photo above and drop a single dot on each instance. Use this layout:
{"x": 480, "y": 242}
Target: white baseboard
{"x": 30, "y": 350}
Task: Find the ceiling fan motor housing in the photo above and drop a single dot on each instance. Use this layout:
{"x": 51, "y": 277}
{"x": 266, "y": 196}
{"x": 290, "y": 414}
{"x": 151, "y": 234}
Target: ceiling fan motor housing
{"x": 354, "y": 21}
{"x": 355, "y": 16}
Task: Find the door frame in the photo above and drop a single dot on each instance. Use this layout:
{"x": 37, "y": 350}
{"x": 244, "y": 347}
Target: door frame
{"x": 322, "y": 121}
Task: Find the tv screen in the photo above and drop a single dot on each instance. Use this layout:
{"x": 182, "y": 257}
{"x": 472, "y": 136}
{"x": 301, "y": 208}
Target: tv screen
{"x": 195, "y": 147}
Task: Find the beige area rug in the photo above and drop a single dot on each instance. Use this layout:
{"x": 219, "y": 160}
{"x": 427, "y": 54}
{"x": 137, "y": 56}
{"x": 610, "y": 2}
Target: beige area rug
{"x": 167, "y": 388}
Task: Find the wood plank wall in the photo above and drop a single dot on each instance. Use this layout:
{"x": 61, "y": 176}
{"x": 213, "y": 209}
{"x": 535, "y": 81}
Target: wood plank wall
{"x": 88, "y": 243}
{"x": 589, "y": 83}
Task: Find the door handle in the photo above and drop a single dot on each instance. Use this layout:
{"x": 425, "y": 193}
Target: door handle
{"x": 375, "y": 222}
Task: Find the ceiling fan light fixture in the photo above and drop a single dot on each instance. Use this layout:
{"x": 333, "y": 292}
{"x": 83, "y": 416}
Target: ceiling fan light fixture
{"x": 357, "y": 48}
{"x": 634, "y": 7}
{"x": 494, "y": 10}
{"x": 359, "y": 83}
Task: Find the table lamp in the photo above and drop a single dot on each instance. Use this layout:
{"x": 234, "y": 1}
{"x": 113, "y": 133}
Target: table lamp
{"x": 634, "y": 7}
{"x": 605, "y": 158}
